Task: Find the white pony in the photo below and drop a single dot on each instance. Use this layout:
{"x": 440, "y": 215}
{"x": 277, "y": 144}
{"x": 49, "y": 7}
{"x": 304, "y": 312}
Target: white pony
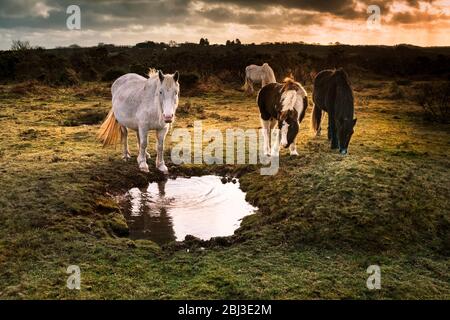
{"x": 141, "y": 104}
{"x": 258, "y": 74}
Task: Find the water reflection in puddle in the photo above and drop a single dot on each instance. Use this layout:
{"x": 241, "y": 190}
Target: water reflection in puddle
{"x": 200, "y": 206}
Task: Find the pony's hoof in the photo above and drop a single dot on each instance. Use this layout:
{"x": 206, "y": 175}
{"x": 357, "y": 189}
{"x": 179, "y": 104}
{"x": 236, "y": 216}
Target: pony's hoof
{"x": 163, "y": 168}
{"x": 294, "y": 153}
{"x": 144, "y": 167}
{"x": 126, "y": 158}
{"x": 148, "y": 155}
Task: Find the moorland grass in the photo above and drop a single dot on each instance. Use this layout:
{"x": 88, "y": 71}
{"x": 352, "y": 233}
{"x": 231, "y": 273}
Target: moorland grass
{"x": 322, "y": 220}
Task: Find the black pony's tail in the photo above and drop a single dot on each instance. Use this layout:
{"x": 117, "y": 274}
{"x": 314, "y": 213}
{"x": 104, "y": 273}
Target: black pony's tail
{"x": 316, "y": 119}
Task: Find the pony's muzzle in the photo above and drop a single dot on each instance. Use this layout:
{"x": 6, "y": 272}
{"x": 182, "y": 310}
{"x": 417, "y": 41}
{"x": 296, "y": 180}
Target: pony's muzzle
{"x": 168, "y": 119}
{"x": 343, "y": 151}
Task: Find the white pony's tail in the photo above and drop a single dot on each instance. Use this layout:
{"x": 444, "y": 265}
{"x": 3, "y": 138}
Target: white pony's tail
{"x": 110, "y": 132}
{"x": 248, "y": 86}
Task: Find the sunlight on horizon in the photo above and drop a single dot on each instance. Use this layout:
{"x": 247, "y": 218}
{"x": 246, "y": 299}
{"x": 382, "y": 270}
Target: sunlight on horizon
{"x": 424, "y": 24}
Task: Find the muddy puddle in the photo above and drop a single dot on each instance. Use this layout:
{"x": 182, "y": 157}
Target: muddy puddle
{"x": 204, "y": 207}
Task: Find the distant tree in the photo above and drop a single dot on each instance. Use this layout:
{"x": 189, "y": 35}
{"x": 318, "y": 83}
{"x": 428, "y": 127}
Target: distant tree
{"x": 238, "y": 42}
{"x": 74, "y": 46}
{"x": 147, "y": 44}
{"x": 19, "y": 45}
{"x": 204, "y": 42}
{"x": 229, "y": 43}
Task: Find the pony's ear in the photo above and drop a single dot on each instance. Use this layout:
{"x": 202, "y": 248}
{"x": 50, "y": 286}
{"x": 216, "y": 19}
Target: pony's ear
{"x": 176, "y": 76}
{"x": 354, "y": 121}
{"x": 160, "y": 75}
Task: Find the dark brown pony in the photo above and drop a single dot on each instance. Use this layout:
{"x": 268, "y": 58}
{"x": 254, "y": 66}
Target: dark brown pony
{"x": 283, "y": 104}
{"x": 333, "y": 94}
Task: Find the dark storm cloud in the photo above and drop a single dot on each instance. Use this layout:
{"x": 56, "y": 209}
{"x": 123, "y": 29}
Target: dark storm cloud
{"x": 95, "y": 14}
{"x": 416, "y": 17}
{"x": 315, "y": 5}
{"x": 271, "y": 19}
{"x": 107, "y": 14}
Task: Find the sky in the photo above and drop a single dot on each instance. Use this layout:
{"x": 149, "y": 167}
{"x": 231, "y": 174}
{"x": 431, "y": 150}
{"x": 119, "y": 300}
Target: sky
{"x": 43, "y": 22}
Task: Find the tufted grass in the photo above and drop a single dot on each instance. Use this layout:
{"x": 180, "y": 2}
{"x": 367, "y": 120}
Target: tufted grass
{"x": 323, "y": 218}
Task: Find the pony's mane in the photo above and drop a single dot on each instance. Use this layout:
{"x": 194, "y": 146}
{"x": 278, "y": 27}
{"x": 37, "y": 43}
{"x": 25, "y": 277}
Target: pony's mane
{"x": 289, "y": 92}
{"x": 290, "y": 84}
{"x": 344, "y": 92}
{"x": 341, "y": 77}
{"x": 152, "y": 72}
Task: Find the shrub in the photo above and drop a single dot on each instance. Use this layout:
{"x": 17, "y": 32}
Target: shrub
{"x": 403, "y": 82}
{"x": 19, "y": 45}
{"x": 395, "y": 92}
{"x": 434, "y": 99}
{"x": 68, "y": 77}
{"x": 189, "y": 80}
{"x": 112, "y": 74}
{"x": 139, "y": 69}
{"x": 89, "y": 74}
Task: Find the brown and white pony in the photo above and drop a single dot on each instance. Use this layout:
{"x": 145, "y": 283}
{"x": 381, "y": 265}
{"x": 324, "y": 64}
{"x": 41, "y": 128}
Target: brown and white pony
{"x": 284, "y": 104}
{"x": 258, "y": 75}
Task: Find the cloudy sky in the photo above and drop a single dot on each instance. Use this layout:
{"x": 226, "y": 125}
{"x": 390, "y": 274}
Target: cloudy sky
{"x": 43, "y": 22}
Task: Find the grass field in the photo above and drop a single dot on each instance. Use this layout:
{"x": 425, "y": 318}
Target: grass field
{"x": 323, "y": 218}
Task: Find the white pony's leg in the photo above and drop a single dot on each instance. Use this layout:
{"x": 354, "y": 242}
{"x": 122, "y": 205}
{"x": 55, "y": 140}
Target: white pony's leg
{"x": 293, "y": 148}
{"x": 146, "y": 152}
{"x": 252, "y": 89}
{"x": 266, "y": 124}
{"x": 125, "y": 151}
{"x": 160, "y": 136}
{"x": 142, "y": 158}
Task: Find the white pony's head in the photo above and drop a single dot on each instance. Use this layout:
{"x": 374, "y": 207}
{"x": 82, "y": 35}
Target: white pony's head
{"x": 169, "y": 90}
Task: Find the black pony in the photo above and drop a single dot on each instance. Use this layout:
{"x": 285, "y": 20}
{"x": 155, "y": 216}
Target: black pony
{"x": 333, "y": 94}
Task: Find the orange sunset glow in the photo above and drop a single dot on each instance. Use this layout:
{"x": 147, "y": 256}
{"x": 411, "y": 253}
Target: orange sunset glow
{"x": 424, "y": 23}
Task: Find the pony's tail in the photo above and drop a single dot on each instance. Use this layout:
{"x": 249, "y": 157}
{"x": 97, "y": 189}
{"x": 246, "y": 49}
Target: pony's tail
{"x": 110, "y": 132}
{"x": 248, "y": 86}
{"x": 316, "y": 119}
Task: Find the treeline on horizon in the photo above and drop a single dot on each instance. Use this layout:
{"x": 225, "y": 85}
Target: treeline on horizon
{"x": 222, "y": 63}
